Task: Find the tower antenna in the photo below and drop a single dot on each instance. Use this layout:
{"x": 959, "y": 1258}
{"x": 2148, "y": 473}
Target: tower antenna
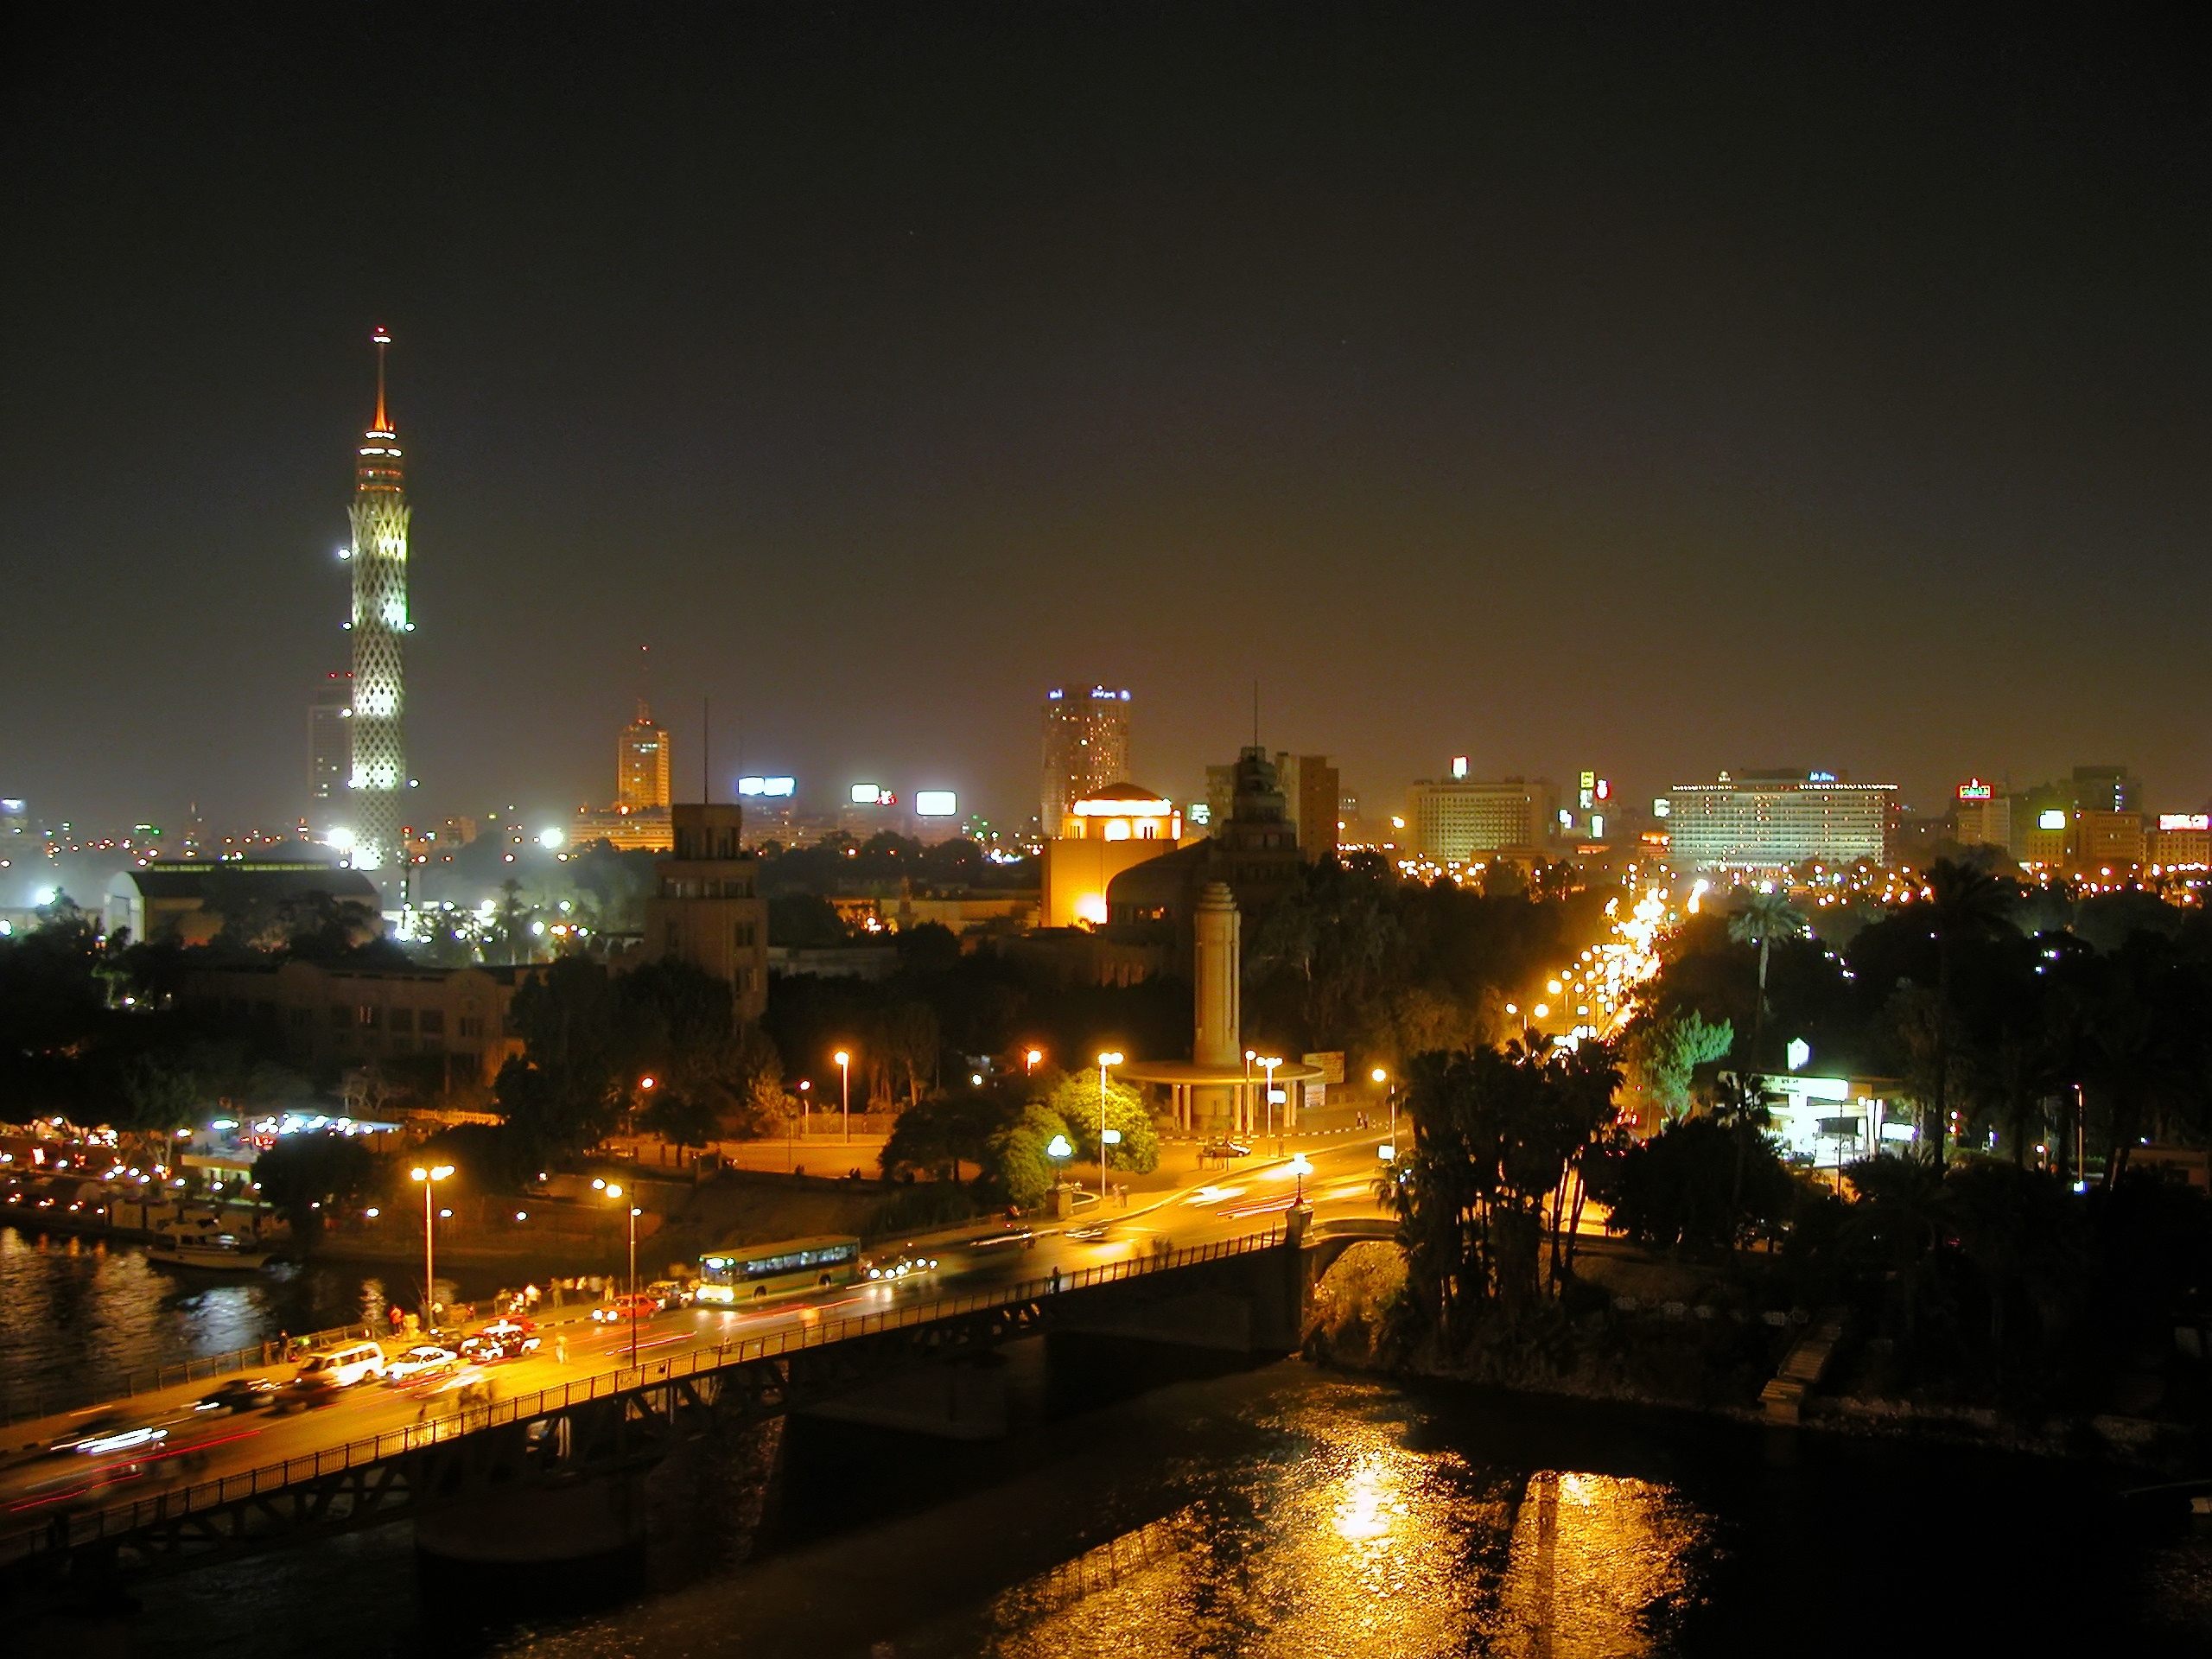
{"x": 706, "y": 734}
{"x": 383, "y": 338}
{"x": 1256, "y": 714}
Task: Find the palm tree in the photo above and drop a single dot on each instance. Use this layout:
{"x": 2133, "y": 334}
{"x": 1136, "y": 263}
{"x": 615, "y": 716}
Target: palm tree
{"x": 1965, "y": 903}
{"x": 1760, "y": 918}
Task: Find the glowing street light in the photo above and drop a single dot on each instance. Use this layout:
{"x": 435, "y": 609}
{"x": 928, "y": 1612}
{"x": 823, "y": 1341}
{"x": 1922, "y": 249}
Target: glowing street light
{"x": 1300, "y": 1167}
{"x": 845, "y": 1077}
{"x": 1111, "y": 1058}
{"x": 429, "y": 1177}
{"x": 1029, "y": 1061}
{"x": 1270, "y": 1062}
{"x": 614, "y": 1190}
{"x": 1390, "y": 1085}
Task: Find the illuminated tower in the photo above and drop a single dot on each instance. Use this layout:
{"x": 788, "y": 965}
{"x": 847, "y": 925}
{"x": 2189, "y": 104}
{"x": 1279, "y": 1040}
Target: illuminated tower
{"x": 642, "y": 762}
{"x": 378, "y": 773}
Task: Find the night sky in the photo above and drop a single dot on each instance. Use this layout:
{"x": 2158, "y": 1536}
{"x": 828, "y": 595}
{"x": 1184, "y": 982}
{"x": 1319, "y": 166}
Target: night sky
{"x": 1648, "y": 388}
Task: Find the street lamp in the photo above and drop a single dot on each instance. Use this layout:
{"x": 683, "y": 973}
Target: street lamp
{"x": 1029, "y": 1061}
{"x": 845, "y": 1076}
{"x": 630, "y": 1310}
{"x": 1270, "y": 1062}
{"x": 429, "y": 1177}
{"x": 1300, "y": 1168}
{"x": 1244, "y": 1096}
{"x": 1384, "y": 1078}
{"x": 1113, "y": 1057}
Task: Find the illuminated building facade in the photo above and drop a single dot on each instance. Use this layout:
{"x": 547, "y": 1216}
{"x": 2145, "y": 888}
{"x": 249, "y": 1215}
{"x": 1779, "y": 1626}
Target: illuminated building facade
{"x": 1086, "y": 747}
{"x": 2183, "y": 841}
{"x": 1983, "y": 817}
{"x": 1778, "y": 820}
{"x": 1121, "y": 826}
{"x": 330, "y": 750}
{"x": 378, "y": 773}
{"x": 643, "y": 760}
{"x": 1459, "y": 818}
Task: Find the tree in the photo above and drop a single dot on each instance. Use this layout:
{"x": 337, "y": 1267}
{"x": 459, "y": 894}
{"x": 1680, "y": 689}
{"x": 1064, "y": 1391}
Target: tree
{"x": 1660, "y": 1052}
{"x": 1018, "y": 1161}
{"x": 908, "y": 1044}
{"x": 305, "y": 1177}
{"x": 1075, "y": 1098}
{"x": 1965, "y": 903}
{"x": 1696, "y": 1184}
{"x": 1761, "y": 918}
{"x": 945, "y": 1132}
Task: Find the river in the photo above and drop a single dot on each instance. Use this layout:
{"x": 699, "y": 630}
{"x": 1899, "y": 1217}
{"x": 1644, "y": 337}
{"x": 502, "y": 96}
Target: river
{"x": 1164, "y": 1505}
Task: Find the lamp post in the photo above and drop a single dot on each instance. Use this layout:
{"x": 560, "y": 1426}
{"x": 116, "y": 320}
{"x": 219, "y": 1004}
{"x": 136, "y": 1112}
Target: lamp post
{"x": 1384, "y": 1078}
{"x": 1300, "y": 1168}
{"x": 1029, "y": 1061}
{"x": 1270, "y": 1062}
{"x": 429, "y": 1177}
{"x": 630, "y": 1309}
{"x": 1244, "y": 1096}
{"x": 1111, "y": 1058}
{"x": 845, "y": 1077}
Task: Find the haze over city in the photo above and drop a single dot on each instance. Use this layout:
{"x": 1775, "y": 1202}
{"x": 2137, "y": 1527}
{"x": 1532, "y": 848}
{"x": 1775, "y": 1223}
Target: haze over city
{"x": 1642, "y": 392}
{"x": 1024, "y": 830}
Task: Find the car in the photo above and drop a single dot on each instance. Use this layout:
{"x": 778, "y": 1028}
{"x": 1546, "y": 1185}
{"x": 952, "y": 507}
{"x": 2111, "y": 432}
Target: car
{"x": 902, "y": 1266}
{"x": 418, "y": 1364}
{"x": 343, "y": 1365}
{"x": 1091, "y": 1235}
{"x": 1224, "y": 1150}
{"x": 508, "y": 1326}
{"x": 99, "y": 1426}
{"x": 640, "y": 1306}
{"x": 669, "y": 1292}
{"x": 487, "y": 1348}
{"x": 240, "y": 1394}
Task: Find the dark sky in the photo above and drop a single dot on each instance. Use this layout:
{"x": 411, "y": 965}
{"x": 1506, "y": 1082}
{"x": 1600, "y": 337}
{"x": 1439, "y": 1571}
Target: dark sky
{"x": 1650, "y": 388}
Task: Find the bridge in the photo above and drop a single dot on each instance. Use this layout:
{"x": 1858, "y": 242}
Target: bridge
{"x": 547, "y": 1476}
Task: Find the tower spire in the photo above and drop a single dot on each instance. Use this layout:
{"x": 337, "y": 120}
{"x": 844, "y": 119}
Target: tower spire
{"x": 383, "y": 338}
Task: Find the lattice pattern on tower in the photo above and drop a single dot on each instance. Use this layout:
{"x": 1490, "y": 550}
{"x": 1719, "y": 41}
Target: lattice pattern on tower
{"x": 377, "y": 776}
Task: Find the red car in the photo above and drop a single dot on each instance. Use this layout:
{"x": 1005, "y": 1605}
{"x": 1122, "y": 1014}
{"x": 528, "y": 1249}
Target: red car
{"x": 640, "y": 1306}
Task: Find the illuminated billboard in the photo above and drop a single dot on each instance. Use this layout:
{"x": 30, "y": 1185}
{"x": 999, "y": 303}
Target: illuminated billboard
{"x": 935, "y": 804}
{"x": 1974, "y": 790}
{"x": 767, "y": 785}
{"x": 2051, "y": 818}
{"x": 2185, "y": 820}
{"x": 865, "y": 794}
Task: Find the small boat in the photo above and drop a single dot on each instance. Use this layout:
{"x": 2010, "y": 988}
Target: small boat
{"x": 211, "y": 1249}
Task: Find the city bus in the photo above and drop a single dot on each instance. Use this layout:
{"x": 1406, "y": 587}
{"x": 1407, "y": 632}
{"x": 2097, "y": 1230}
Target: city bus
{"x": 752, "y": 1273}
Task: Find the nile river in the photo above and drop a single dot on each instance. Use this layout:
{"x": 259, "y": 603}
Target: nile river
{"x": 1165, "y": 1506}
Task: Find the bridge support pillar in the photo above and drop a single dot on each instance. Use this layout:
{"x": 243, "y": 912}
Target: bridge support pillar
{"x": 576, "y": 1541}
{"x": 957, "y": 1401}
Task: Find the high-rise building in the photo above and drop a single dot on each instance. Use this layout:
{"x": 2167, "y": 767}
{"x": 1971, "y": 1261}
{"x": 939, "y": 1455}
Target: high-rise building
{"x": 1983, "y": 817}
{"x": 377, "y": 778}
{"x": 1459, "y": 818}
{"x": 330, "y": 749}
{"x": 1312, "y": 790}
{"x": 1767, "y": 821}
{"x": 643, "y": 762}
{"x": 1086, "y": 747}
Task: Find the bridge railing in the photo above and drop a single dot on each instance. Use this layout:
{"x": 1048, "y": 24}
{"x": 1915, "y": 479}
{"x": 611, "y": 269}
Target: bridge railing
{"x": 66, "y": 1531}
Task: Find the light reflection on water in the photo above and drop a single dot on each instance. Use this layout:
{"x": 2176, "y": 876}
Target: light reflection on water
{"x": 1360, "y": 1546}
{"x": 78, "y": 1315}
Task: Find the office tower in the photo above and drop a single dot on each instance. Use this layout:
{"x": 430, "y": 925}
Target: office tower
{"x": 706, "y": 908}
{"x": 1086, "y": 747}
{"x": 377, "y": 776}
{"x": 330, "y": 749}
{"x": 1311, "y": 790}
{"x": 1459, "y": 818}
{"x": 1771, "y": 821}
{"x": 643, "y": 760}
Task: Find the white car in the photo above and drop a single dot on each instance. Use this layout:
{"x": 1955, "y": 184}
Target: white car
{"x": 342, "y": 1367}
{"x": 419, "y": 1363}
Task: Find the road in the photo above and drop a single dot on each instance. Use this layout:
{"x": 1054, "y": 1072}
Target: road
{"x": 193, "y": 1448}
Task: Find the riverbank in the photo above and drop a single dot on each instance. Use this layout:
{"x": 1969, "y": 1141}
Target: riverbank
{"x": 1704, "y": 1357}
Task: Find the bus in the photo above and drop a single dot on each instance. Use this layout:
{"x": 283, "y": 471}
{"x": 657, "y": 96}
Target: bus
{"x": 752, "y": 1273}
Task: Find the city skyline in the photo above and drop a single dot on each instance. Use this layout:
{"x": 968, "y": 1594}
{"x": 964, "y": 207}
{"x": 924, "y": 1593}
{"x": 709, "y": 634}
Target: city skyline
{"x": 1766, "y": 498}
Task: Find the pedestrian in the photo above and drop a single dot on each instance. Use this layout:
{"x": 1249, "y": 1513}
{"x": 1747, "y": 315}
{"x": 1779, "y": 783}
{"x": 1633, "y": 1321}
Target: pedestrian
{"x": 561, "y": 1348}
{"x": 1056, "y": 1278}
